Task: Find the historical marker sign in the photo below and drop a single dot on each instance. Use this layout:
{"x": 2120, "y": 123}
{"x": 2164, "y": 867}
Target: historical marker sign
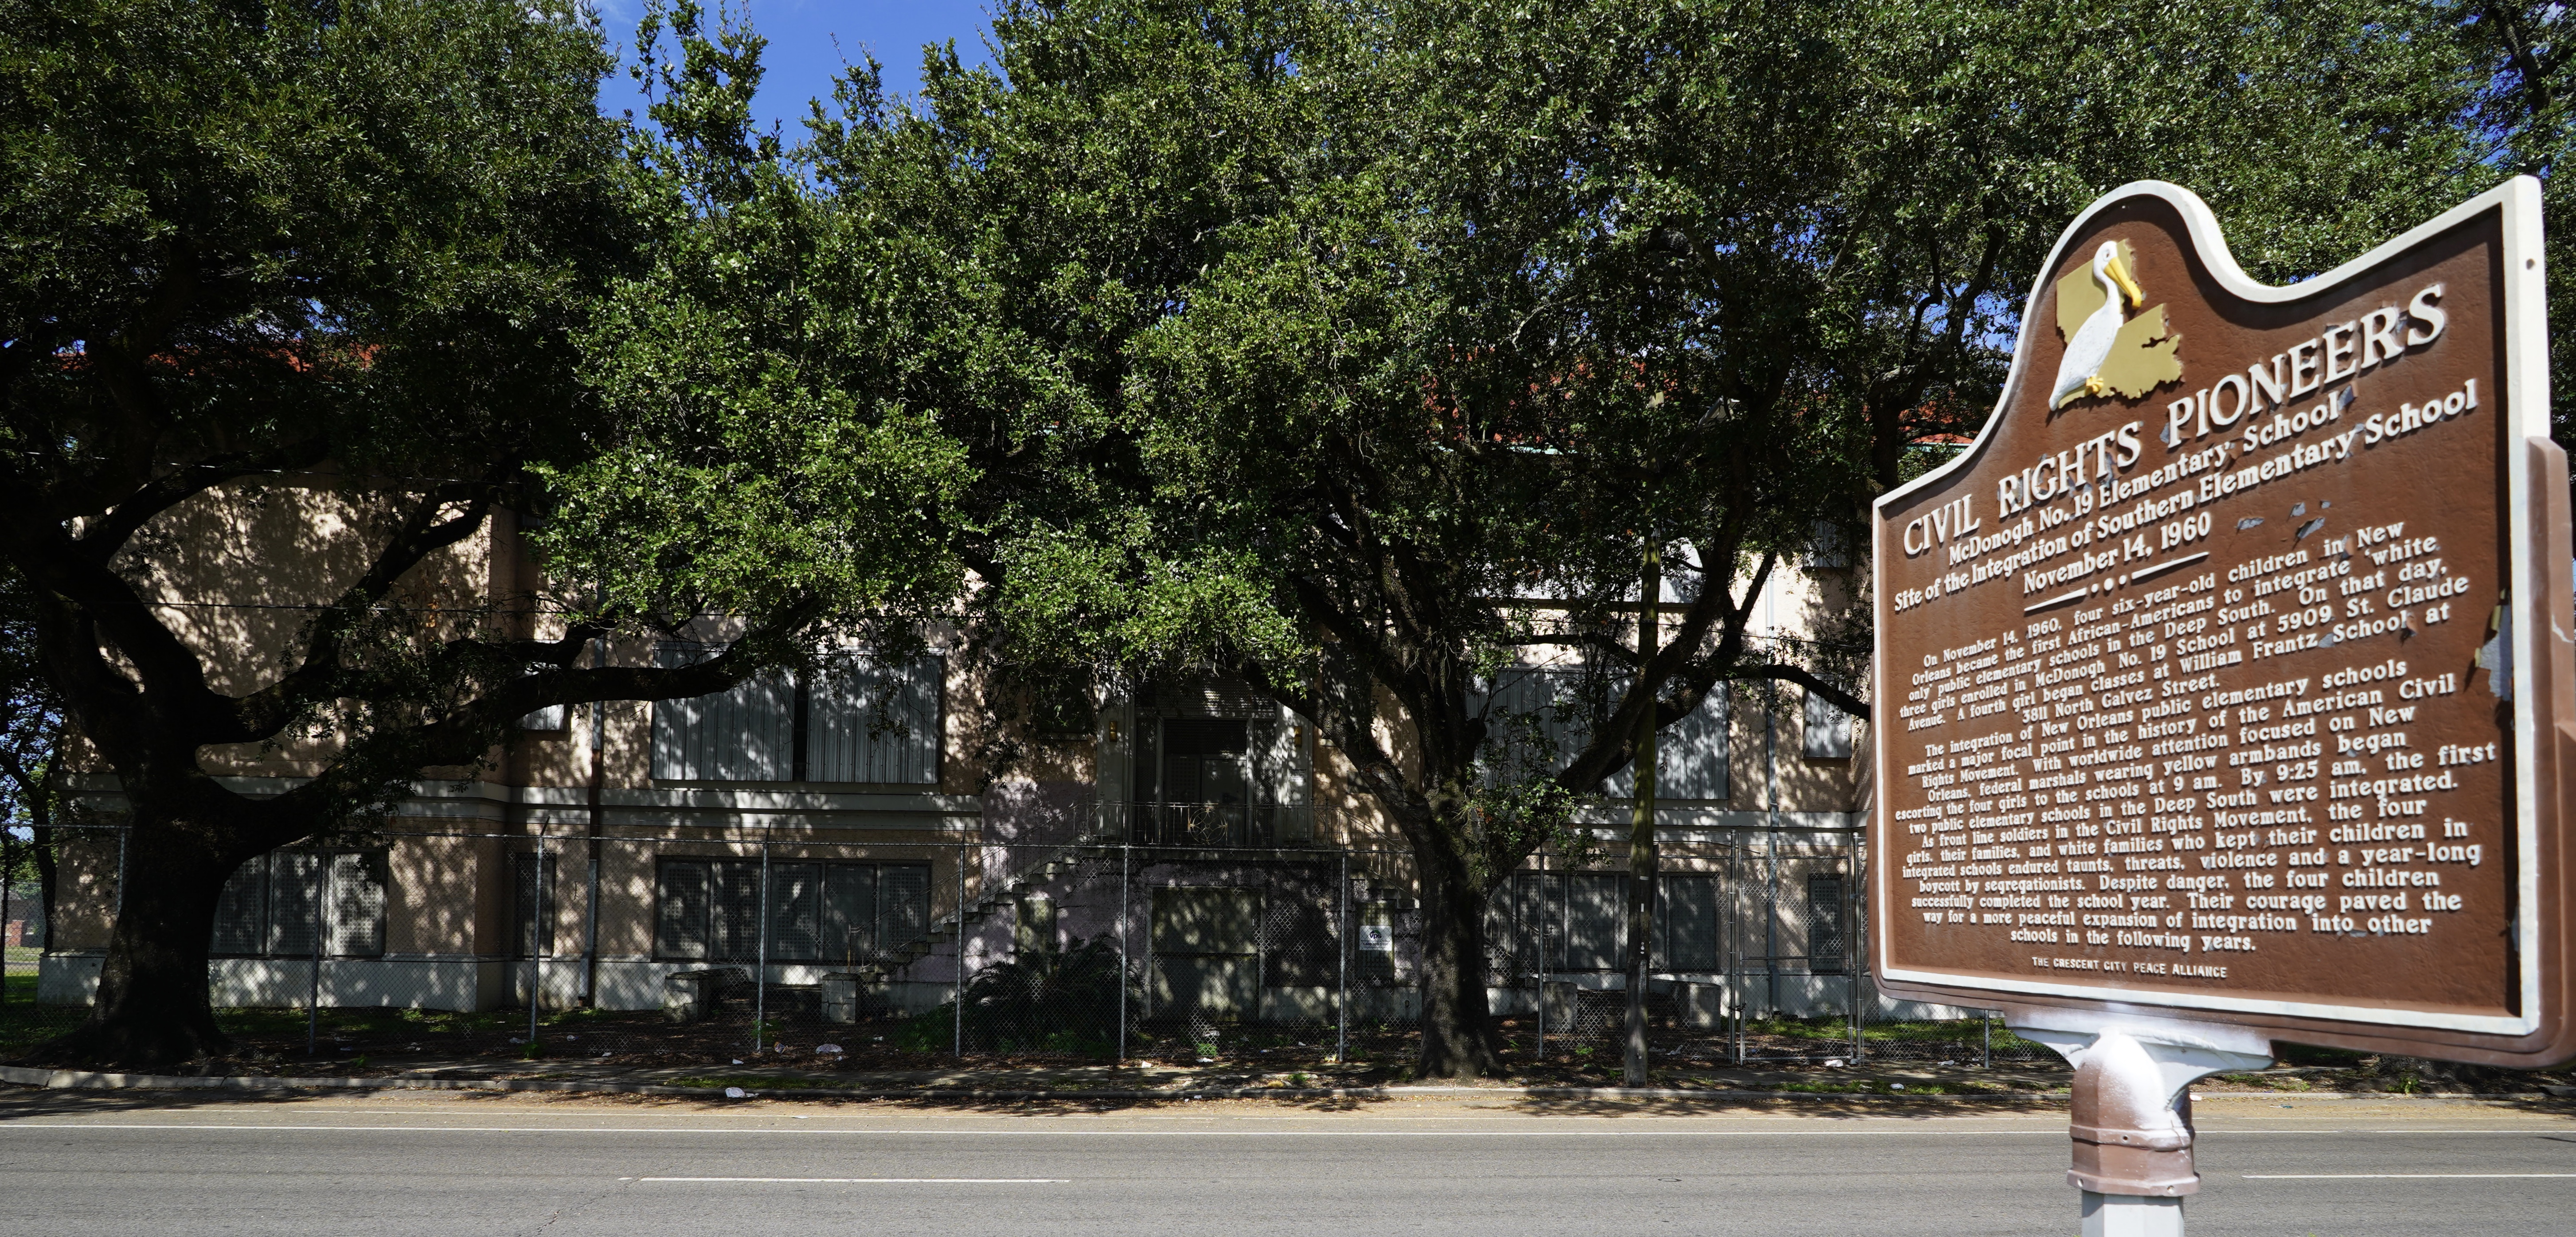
{"x": 2224, "y": 677}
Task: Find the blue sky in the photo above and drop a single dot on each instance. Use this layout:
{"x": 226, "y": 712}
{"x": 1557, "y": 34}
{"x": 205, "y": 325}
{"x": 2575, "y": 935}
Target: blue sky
{"x": 802, "y": 56}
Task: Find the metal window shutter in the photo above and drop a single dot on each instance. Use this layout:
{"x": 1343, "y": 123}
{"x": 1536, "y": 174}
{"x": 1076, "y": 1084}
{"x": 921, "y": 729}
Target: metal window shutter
{"x": 903, "y": 904}
{"x": 682, "y": 903}
{"x": 295, "y": 903}
{"x": 357, "y": 906}
{"x": 678, "y": 724}
{"x": 241, "y": 925}
{"x": 737, "y": 916}
{"x": 867, "y": 722}
{"x": 1692, "y": 754}
{"x": 849, "y": 914}
{"x": 751, "y": 736}
{"x": 1686, "y": 923}
{"x": 1827, "y": 730}
{"x": 1595, "y": 921}
{"x": 795, "y": 920}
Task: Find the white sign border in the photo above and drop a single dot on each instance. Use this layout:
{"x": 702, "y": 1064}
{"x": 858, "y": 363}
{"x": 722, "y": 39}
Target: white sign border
{"x": 2526, "y": 366}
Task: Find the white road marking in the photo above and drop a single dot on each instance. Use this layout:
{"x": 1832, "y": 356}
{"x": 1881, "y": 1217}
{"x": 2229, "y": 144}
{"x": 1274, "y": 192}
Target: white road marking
{"x": 870, "y": 1180}
{"x": 2387, "y": 1176}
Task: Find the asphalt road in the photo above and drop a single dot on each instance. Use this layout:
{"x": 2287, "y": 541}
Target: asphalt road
{"x": 73, "y": 1165}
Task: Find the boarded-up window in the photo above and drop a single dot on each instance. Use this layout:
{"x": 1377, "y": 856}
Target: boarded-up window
{"x": 903, "y": 904}
{"x": 736, "y": 931}
{"x": 1686, "y": 924}
{"x": 1578, "y": 922}
{"x": 1299, "y": 948}
{"x": 281, "y": 904}
{"x": 1596, "y": 921}
{"x": 842, "y": 914}
{"x": 295, "y": 891}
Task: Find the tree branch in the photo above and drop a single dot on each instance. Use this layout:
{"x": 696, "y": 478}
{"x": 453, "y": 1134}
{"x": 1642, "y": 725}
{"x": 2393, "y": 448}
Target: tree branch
{"x": 263, "y": 713}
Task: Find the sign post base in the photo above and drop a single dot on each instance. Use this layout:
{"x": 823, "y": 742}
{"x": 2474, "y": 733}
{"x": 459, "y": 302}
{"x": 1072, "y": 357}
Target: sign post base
{"x": 2131, "y": 1215}
{"x": 2130, "y": 1119}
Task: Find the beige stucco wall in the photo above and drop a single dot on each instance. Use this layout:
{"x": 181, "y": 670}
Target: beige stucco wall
{"x": 450, "y": 896}
{"x": 236, "y": 571}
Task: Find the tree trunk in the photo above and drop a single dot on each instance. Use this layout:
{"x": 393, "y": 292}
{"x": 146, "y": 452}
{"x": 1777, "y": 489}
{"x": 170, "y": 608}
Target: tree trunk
{"x": 1457, "y": 1024}
{"x": 153, "y": 1010}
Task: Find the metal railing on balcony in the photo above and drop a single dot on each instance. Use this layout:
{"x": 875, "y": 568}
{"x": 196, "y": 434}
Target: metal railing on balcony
{"x": 1209, "y": 825}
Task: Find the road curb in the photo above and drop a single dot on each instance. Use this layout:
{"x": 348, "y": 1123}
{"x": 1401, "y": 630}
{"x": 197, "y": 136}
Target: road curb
{"x": 53, "y": 1079}
{"x": 83, "y": 1080}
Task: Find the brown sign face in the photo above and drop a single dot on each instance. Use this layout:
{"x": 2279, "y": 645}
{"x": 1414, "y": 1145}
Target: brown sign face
{"x": 2222, "y": 677}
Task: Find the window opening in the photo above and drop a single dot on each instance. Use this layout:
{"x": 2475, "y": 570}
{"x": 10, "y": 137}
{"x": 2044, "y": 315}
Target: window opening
{"x": 275, "y": 905}
{"x": 838, "y": 914}
{"x": 1825, "y": 937}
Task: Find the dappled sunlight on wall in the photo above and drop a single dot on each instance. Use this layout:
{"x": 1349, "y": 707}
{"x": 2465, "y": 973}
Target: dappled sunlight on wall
{"x": 236, "y": 573}
{"x": 430, "y": 902}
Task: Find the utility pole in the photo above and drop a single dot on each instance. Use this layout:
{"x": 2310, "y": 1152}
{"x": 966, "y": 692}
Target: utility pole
{"x": 1641, "y": 827}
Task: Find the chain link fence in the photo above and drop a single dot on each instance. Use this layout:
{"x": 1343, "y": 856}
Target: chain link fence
{"x": 1070, "y": 943}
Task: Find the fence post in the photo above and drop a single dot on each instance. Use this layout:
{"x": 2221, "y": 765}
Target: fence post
{"x": 1986, "y": 1023}
{"x": 538, "y": 939}
{"x": 313, "y": 993}
{"x": 1735, "y": 998}
{"x": 760, "y": 963}
{"x": 1123, "y": 850}
{"x": 1855, "y": 932}
{"x": 1342, "y": 979}
{"x": 1771, "y": 864}
{"x": 957, "y": 986}
{"x": 1538, "y": 924}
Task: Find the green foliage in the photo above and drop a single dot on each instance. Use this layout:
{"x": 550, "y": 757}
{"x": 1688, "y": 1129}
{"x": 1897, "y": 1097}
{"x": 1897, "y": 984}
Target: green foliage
{"x": 1049, "y": 1000}
{"x": 308, "y": 274}
{"x": 2524, "y": 70}
{"x": 248, "y": 241}
{"x": 238, "y": 228}
{"x": 764, "y": 460}
{"x": 1037, "y": 1000}
{"x": 1311, "y": 341}
{"x": 931, "y": 1031}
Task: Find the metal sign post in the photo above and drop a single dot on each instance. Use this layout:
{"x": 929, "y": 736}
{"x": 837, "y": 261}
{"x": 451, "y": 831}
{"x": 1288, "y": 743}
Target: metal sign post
{"x": 2216, "y": 703}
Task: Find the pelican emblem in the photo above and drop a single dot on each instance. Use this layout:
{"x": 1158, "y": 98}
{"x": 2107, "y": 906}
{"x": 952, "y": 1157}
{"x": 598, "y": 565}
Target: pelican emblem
{"x": 2108, "y": 352}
